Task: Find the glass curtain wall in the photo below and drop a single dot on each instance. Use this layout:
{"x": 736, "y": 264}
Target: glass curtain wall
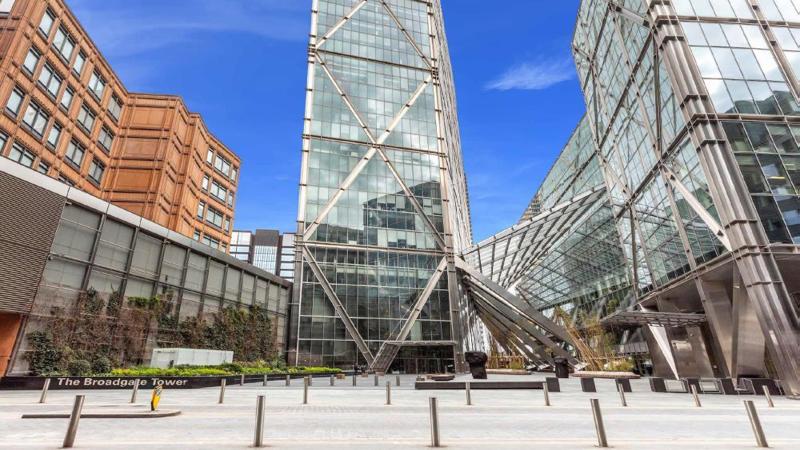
{"x": 372, "y": 222}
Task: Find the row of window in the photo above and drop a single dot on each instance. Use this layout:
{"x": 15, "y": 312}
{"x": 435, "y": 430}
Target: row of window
{"x": 36, "y": 119}
{"x": 74, "y": 155}
{"x": 221, "y": 164}
{"x": 83, "y": 238}
{"x": 213, "y": 216}
{"x": 64, "y": 44}
{"x": 218, "y": 191}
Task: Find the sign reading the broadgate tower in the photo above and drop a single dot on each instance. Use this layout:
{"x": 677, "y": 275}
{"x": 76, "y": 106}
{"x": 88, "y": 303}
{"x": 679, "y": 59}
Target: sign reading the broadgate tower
{"x": 66, "y": 383}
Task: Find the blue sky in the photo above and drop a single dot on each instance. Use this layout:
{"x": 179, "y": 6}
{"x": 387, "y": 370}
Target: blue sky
{"x": 242, "y": 65}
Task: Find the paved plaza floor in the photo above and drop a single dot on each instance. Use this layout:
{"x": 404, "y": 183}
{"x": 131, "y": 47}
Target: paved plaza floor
{"x": 343, "y": 417}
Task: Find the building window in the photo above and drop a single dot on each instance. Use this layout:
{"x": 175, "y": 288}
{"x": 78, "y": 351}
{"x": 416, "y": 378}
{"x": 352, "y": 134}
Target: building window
{"x": 50, "y": 80}
{"x": 211, "y": 242}
{"x": 36, "y": 118}
{"x": 66, "y": 99}
{"x": 75, "y": 153}
{"x": 64, "y": 43}
{"x": 80, "y": 61}
{"x": 97, "y": 85}
{"x": 14, "y": 102}
{"x": 64, "y": 179}
{"x": 54, "y": 136}
{"x": 222, "y": 165}
{"x": 234, "y": 172}
{"x": 106, "y": 138}
{"x": 43, "y": 167}
{"x": 214, "y": 217}
{"x": 115, "y": 107}
{"x": 46, "y": 25}
{"x": 201, "y": 209}
{"x": 230, "y": 199}
{"x": 219, "y": 192}
{"x": 205, "y": 183}
{"x": 210, "y": 156}
{"x": 739, "y": 69}
{"x": 31, "y": 60}
{"x": 21, "y": 155}
{"x": 196, "y": 235}
{"x": 86, "y": 119}
{"x": 716, "y": 8}
{"x": 227, "y": 226}
{"x": 96, "y": 170}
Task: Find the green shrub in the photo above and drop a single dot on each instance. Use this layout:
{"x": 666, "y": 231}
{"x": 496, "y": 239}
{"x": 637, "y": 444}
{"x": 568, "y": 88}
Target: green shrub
{"x": 45, "y": 357}
{"x": 101, "y": 364}
{"x": 225, "y": 369}
{"x": 79, "y": 368}
{"x": 620, "y": 365}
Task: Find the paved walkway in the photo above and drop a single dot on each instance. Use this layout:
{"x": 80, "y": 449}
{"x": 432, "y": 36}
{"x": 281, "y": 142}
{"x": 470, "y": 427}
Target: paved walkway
{"x": 343, "y": 417}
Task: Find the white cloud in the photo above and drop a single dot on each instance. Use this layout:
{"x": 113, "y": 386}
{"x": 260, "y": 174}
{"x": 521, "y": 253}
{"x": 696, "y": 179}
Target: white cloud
{"x": 534, "y": 76}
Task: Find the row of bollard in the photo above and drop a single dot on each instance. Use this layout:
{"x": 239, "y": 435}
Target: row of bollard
{"x": 602, "y": 439}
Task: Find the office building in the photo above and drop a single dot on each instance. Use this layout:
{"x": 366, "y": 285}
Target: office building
{"x": 673, "y": 213}
{"x": 266, "y": 249}
{"x": 69, "y": 116}
{"x": 104, "y": 281}
{"x": 383, "y": 201}
{"x": 286, "y": 257}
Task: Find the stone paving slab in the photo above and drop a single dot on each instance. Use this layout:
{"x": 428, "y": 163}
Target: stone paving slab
{"x": 343, "y": 417}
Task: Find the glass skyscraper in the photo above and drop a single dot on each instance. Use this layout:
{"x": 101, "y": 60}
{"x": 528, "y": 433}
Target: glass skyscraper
{"x": 673, "y": 213}
{"x": 383, "y": 202}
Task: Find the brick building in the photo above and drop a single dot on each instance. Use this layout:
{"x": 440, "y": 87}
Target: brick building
{"x": 69, "y": 116}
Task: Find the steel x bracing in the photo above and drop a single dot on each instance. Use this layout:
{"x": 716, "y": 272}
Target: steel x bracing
{"x": 380, "y": 84}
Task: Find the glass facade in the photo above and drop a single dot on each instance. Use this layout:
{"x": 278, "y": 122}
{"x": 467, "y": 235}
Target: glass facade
{"x": 287, "y": 257}
{"x": 109, "y": 260}
{"x": 372, "y": 219}
{"x": 686, "y": 160}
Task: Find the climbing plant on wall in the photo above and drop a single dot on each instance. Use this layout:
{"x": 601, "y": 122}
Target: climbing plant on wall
{"x": 96, "y": 334}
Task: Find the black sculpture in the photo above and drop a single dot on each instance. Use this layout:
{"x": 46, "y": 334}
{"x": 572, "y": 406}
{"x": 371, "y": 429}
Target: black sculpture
{"x": 477, "y": 364}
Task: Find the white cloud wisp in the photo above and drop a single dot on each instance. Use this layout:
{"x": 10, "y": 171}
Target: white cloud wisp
{"x": 534, "y": 76}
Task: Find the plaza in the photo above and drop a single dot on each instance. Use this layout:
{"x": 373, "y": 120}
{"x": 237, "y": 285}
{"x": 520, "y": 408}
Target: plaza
{"x": 664, "y": 241}
{"x": 346, "y": 417}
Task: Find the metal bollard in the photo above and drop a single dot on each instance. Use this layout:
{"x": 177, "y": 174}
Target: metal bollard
{"x": 602, "y": 441}
{"x": 258, "y": 441}
{"x": 333, "y": 380}
{"x": 222, "y": 390}
{"x": 241, "y": 380}
{"x": 622, "y": 399}
{"x": 265, "y": 380}
{"x": 135, "y": 391}
{"x": 696, "y": 397}
{"x": 43, "y": 397}
{"x": 397, "y": 380}
{"x": 388, "y": 392}
{"x": 546, "y": 394}
{"x": 305, "y": 391}
{"x": 768, "y": 396}
{"x": 758, "y": 431}
{"x": 355, "y": 379}
{"x": 376, "y": 379}
{"x": 310, "y": 380}
{"x": 434, "y": 423}
{"x": 74, "y": 418}
{"x": 469, "y": 393}
{"x": 288, "y": 380}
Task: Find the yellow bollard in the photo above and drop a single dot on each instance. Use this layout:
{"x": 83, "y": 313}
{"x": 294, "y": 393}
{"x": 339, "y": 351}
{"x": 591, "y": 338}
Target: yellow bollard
{"x": 155, "y": 398}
